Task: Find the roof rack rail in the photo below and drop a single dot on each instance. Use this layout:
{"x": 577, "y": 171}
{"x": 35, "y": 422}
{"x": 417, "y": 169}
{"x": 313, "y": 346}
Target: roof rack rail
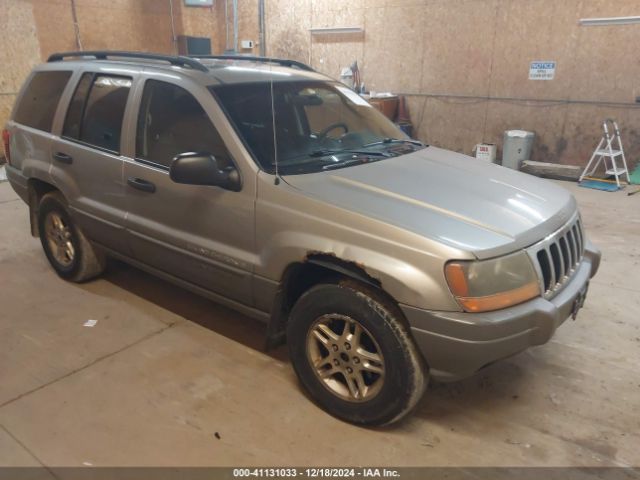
{"x": 180, "y": 61}
{"x": 249, "y": 58}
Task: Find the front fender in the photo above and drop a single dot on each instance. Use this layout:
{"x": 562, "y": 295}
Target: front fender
{"x": 405, "y": 281}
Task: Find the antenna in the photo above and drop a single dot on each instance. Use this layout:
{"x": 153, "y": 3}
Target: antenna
{"x": 276, "y": 180}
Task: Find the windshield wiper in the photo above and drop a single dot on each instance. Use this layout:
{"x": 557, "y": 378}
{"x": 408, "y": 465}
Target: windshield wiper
{"x": 395, "y": 140}
{"x": 348, "y": 163}
{"x": 325, "y": 152}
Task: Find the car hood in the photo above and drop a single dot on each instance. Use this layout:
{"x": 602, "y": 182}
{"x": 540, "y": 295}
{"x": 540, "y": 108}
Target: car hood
{"x": 457, "y": 200}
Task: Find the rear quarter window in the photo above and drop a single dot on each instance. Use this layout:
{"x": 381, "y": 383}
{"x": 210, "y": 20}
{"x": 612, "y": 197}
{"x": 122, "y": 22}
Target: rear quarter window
{"x": 38, "y": 104}
{"x": 96, "y": 111}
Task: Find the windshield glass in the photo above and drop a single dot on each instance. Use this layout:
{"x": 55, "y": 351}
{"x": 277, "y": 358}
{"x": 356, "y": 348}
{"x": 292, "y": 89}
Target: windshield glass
{"x": 319, "y": 125}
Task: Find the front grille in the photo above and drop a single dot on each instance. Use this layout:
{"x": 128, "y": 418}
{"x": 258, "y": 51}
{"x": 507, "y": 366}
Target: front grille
{"x": 558, "y": 256}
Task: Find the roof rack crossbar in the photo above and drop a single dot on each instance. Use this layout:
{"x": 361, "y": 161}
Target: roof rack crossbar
{"x": 248, "y": 58}
{"x": 179, "y": 61}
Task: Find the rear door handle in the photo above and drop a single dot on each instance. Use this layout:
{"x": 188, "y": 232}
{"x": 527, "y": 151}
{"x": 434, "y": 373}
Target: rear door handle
{"x": 63, "y": 158}
{"x": 141, "y": 184}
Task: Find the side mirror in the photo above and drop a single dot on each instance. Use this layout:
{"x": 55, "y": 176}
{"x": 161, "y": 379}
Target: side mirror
{"x": 202, "y": 169}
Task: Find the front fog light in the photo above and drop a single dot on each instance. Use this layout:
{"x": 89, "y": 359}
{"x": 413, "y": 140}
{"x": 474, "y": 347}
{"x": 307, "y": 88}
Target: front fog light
{"x": 485, "y": 285}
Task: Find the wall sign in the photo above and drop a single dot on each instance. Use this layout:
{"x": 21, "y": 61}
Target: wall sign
{"x": 542, "y": 70}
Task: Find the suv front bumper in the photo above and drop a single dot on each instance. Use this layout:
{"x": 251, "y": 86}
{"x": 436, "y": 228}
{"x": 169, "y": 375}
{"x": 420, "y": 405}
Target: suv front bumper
{"x": 457, "y": 344}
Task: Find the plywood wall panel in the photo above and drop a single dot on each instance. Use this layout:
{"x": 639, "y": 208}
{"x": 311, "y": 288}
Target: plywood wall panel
{"x": 457, "y": 47}
{"x": 607, "y": 8}
{"x": 456, "y": 125}
{"x": 208, "y": 22}
{"x": 406, "y": 3}
{"x": 287, "y": 26}
{"x": 545, "y": 120}
{"x": 141, "y": 6}
{"x": 118, "y": 27}
{"x": 527, "y": 31}
{"x": 607, "y": 64}
{"x": 393, "y": 65}
{"x": 481, "y": 48}
{"x": 583, "y": 130}
{"x": 33, "y": 29}
{"x": 331, "y": 56}
{"x": 343, "y": 15}
{"x": 19, "y": 51}
{"x": 332, "y": 52}
{"x": 248, "y": 26}
{"x": 54, "y": 24}
{"x": 455, "y": 57}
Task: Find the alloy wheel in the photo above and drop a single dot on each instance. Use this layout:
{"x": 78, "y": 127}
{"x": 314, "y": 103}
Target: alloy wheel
{"x": 59, "y": 239}
{"x": 345, "y": 357}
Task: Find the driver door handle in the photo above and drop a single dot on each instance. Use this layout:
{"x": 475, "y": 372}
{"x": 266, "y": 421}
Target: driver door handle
{"x": 141, "y": 184}
{"x": 63, "y": 158}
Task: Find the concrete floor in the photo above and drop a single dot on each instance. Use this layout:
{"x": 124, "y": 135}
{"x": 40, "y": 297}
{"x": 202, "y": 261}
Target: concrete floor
{"x": 164, "y": 370}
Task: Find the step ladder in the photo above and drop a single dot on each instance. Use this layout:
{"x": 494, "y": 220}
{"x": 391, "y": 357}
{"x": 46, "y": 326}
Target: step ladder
{"x": 612, "y": 156}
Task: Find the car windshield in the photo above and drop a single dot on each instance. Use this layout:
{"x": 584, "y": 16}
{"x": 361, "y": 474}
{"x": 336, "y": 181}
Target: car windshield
{"x": 318, "y": 125}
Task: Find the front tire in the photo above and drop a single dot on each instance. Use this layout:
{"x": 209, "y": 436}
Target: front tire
{"x": 69, "y": 252}
{"x": 351, "y": 350}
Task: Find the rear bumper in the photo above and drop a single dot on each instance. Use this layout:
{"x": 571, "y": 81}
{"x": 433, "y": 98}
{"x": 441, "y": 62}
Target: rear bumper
{"x": 457, "y": 344}
{"x": 18, "y": 182}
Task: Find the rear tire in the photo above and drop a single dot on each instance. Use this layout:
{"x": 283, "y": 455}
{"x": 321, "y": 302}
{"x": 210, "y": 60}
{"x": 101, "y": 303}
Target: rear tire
{"x": 352, "y": 351}
{"x": 69, "y": 252}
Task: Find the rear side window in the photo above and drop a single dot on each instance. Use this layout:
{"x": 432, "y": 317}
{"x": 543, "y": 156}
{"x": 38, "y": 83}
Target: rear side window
{"x": 96, "y": 111}
{"x": 76, "y": 107}
{"x": 171, "y": 121}
{"x": 38, "y": 105}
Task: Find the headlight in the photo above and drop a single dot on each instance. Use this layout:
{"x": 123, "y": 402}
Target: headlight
{"x": 482, "y": 286}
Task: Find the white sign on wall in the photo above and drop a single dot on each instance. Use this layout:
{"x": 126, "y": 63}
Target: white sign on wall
{"x": 542, "y": 70}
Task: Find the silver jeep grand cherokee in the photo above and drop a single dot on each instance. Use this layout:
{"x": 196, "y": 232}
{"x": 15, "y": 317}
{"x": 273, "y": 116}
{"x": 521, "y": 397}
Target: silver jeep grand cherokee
{"x": 279, "y": 192}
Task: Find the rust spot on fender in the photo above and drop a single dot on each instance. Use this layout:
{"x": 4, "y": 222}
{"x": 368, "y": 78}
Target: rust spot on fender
{"x": 346, "y": 264}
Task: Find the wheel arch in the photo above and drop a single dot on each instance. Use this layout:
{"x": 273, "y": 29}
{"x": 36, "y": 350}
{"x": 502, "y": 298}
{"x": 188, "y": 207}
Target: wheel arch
{"x": 36, "y": 189}
{"x": 299, "y": 277}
